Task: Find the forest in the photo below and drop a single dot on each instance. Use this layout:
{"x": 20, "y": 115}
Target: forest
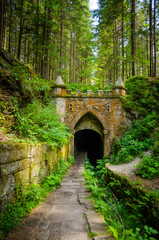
{"x": 57, "y": 38}
{"x": 89, "y": 49}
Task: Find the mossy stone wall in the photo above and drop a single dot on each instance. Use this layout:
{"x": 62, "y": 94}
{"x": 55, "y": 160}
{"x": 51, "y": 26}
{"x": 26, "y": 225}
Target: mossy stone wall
{"x": 25, "y": 163}
{"x": 125, "y": 189}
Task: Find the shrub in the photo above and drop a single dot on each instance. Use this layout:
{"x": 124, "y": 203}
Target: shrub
{"x": 143, "y": 95}
{"x": 122, "y": 221}
{"x": 148, "y": 167}
{"x": 84, "y": 87}
{"x": 40, "y": 122}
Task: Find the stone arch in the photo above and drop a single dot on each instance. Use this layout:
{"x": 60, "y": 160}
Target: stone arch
{"x": 95, "y": 113}
{"x": 89, "y": 135}
{"x": 89, "y": 121}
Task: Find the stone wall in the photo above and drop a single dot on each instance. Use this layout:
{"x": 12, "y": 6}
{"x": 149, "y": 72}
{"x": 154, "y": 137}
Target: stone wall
{"x": 101, "y": 111}
{"x": 106, "y": 109}
{"x": 124, "y": 187}
{"x": 25, "y": 163}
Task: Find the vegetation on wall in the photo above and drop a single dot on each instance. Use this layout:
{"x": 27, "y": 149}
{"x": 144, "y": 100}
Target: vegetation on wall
{"x": 31, "y": 115}
{"x": 39, "y": 122}
{"x": 31, "y": 197}
{"x": 84, "y": 87}
{"x": 124, "y": 218}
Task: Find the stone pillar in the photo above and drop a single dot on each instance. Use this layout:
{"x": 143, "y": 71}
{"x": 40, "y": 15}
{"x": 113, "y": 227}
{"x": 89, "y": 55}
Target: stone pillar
{"x": 119, "y": 88}
{"x": 59, "y": 87}
{"x": 106, "y": 143}
{"x": 71, "y": 146}
{"x": 58, "y": 92}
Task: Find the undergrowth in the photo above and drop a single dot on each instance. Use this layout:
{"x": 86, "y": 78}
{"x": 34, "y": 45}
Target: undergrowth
{"x": 121, "y": 222}
{"x": 142, "y": 102}
{"x": 32, "y": 84}
{"x": 29, "y": 197}
{"x": 40, "y": 123}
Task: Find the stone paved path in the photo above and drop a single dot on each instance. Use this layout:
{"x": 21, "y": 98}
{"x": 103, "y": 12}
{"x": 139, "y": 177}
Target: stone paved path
{"x": 67, "y": 214}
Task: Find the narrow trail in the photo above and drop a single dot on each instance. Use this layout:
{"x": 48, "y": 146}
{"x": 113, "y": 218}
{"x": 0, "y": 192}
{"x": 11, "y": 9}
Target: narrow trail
{"x": 67, "y": 213}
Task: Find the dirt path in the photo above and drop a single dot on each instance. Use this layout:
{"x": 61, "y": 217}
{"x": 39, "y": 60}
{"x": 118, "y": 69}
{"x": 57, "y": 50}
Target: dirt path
{"x": 67, "y": 214}
{"x": 129, "y": 169}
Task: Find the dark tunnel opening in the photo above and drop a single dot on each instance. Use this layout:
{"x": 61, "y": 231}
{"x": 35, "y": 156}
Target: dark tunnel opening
{"x": 91, "y": 142}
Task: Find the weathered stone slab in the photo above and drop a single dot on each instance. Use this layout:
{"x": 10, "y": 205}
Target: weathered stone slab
{"x": 10, "y": 168}
{"x": 44, "y": 225}
{"x": 22, "y": 177}
{"x": 88, "y": 203}
{"x": 60, "y": 213}
{"x": 95, "y": 221}
{"x": 103, "y": 237}
{"x": 10, "y": 152}
{"x": 83, "y": 195}
{"x": 7, "y": 185}
{"x": 65, "y": 201}
{"x": 43, "y": 235}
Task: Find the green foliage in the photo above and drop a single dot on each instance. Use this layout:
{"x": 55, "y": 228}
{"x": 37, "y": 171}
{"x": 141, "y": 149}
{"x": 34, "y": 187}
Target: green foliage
{"x": 14, "y": 213}
{"x": 31, "y": 82}
{"x": 29, "y": 197}
{"x": 123, "y": 223}
{"x": 143, "y": 95}
{"x": 148, "y": 167}
{"x": 137, "y": 234}
{"x": 84, "y": 87}
{"x": 135, "y": 140}
{"x": 40, "y": 122}
{"x": 53, "y": 181}
{"x": 142, "y": 98}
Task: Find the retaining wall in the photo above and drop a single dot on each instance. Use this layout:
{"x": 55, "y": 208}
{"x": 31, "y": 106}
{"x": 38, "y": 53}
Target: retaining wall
{"x": 25, "y": 163}
{"x": 126, "y": 189}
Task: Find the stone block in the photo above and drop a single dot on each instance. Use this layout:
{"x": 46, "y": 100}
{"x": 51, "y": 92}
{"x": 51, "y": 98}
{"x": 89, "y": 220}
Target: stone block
{"x": 96, "y": 221}
{"x": 22, "y": 177}
{"x": 10, "y": 152}
{"x": 13, "y": 167}
{"x": 44, "y": 225}
{"x": 68, "y": 91}
{"x": 34, "y": 169}
{"x": 78, "y": 92}
{"x": 7, "y": 185}
{"x": 3, "y": 203}
{"x": 100, "y": 92}
{"x": 43, "y": 235}
{"x": 89, "y": 92}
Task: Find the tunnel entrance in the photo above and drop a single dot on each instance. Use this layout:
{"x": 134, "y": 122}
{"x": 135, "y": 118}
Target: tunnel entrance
{"x": 89, "y": 141}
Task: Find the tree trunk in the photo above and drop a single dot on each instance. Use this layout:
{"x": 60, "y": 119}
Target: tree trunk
{"x": 122, "y": 35}
{"x": 61, "y": 38}
{"x": 133, "y": 37}
{"x": 43, "y": 43}
{"x": 1, "y": 21}
{"x": 154, "y": 32}
{"x": 71, "y": 57}
{"x": 151, "y": 39}
{"x": 20, "y": 30}
{"x": 147, "y": 49}
{"x": 37, "y": 38}
{"x": 10, "y": 26}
